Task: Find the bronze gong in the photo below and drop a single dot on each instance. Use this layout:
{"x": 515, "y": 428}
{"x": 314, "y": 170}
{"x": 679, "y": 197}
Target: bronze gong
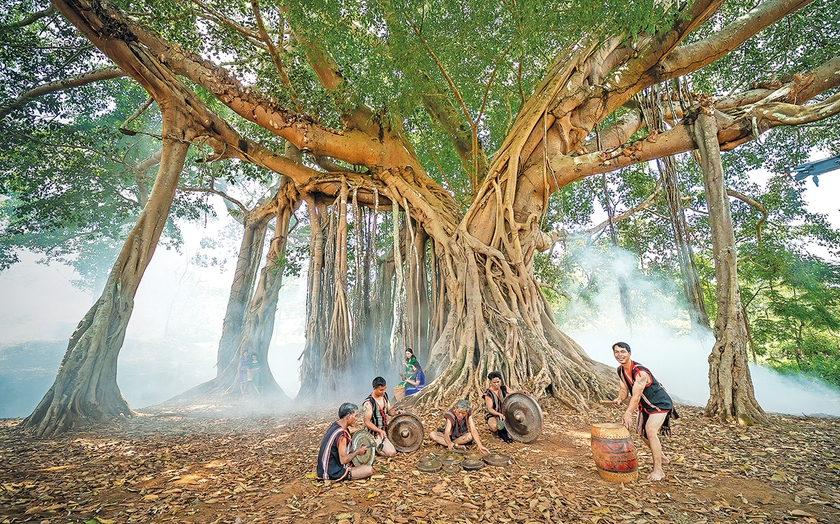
{"x": 451, "y": 469}
{"x": 472, "y": 464}
{"x": 497, "y": 459}
{"x": 523, "y": 417}
{"x": 429, "y": 466}
{"x": 362, "y": 438}
{"x": 450, "y": 458}
{"x": 406, "y": 432}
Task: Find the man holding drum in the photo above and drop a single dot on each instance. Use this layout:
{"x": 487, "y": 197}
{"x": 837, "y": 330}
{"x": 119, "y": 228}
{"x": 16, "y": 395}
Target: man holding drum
{"x": 334, "y": 455}
{"x": 654, "y": 404}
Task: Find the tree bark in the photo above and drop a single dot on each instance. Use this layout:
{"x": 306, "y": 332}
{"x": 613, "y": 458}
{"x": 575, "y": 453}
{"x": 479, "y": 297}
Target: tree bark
{"x": 262, "y": 310}
{"x": 318, "y": 304}
{"x": 731, "y": 393}
{"x": 244, "y": 278}
{"x": 85, "y": 390}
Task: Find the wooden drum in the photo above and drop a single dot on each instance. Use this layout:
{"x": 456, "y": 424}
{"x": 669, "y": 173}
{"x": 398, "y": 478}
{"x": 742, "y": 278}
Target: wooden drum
{"x": 399, "y": 393}
{"x": 614, "y": 452}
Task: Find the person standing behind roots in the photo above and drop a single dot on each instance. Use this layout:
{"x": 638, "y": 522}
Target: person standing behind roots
{"x": 377, "y": 410}
{"x": 255, "y": 372}
{"x": 655, "y": 405}
{"x": 334, "y": 455}
{"x": 243, "y": 373}
{"x": 459, "y": 428}
{"x": 493, "y": 399}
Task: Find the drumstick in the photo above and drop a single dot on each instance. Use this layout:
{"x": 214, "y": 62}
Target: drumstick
{"x": 607, "y": 402}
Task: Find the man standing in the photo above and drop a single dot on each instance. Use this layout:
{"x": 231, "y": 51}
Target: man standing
{"x": 377, "y": 409}
{"x": 654, "y": 404}
{"x": 334, "y": 455}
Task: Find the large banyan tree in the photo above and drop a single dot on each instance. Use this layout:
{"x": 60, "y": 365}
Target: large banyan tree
{"x": 448, "y": 126}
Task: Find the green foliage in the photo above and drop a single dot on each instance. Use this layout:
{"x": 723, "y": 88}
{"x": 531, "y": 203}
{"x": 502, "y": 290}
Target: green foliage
{"x": 818, "y": 365}
{"x": 790, "y": 295}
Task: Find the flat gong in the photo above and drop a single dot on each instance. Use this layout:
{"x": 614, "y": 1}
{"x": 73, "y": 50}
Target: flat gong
{"x": 451, "y": 469}
{"x": 523, "y": 417}
{"x": 497, "y": 459}
{"x": 359, "y": 439}
{"x": 451, "y": 458}
{"x": 472, "y": 464}
{"x": 406, "y": 432}
{"x": 429, "y": 466}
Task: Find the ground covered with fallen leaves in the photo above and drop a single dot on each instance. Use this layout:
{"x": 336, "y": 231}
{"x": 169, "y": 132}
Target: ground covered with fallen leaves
{"x": 193, "y": 465}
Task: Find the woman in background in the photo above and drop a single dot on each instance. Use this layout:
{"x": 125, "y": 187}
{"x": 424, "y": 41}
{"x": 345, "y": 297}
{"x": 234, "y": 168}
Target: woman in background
{"x": 412, "y": 375}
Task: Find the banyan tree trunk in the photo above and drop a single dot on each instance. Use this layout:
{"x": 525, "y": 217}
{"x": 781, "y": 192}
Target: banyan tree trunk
{"x": 368, "y": 324}
{"x": 731, "y": 393}
{"x": 418, "y": 285}
{"x": 314, "y": 374}
{"x": 497, "y": 318}
{"x": 262, "y": 310}
{"x": 399, "y": 329}
{"x": 244, "y": 278}
{"x": 337, "y": 354}
{"x": 250, "y": 327}
{"x": 85, "y": 390}
{"x": 255, "y": 224}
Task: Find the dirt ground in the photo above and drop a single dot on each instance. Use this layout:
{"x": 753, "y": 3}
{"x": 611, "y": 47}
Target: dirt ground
{"x": 187, "y": 465}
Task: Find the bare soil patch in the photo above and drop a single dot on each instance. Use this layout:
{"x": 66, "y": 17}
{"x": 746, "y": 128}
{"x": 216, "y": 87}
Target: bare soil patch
{"x": 191, "y": 466}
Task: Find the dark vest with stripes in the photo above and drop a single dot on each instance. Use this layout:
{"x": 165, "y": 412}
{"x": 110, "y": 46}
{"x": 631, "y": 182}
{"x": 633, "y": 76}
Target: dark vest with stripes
{"x": 379, "y": 416}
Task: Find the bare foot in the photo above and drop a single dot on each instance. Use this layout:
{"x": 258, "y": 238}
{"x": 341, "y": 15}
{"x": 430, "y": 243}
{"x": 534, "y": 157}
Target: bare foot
{"x": 665, "y": 460}
{"x": 656, "y": 475}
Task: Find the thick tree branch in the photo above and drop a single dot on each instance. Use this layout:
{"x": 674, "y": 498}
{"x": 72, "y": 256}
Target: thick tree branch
{"x": 31, "y": 19}
{"x": 699, "y": 54}
{"x": 352, "y": 145}
{"x": 779, "y": 113}
{"x": 748, "y": 122}
{"x": 355, "y": 114}
{"x": 60, "y": 85}
{"x": 641, "y": 71}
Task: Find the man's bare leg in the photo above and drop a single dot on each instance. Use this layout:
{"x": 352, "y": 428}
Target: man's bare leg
{"x": 655, "y": 422}
{"x": 463, "y": 440}
{"x": 388, "y": 449}
{"x": 665, "y": 459}
{"x": 437, "y": 436}
{"x": 361, "y": 472}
